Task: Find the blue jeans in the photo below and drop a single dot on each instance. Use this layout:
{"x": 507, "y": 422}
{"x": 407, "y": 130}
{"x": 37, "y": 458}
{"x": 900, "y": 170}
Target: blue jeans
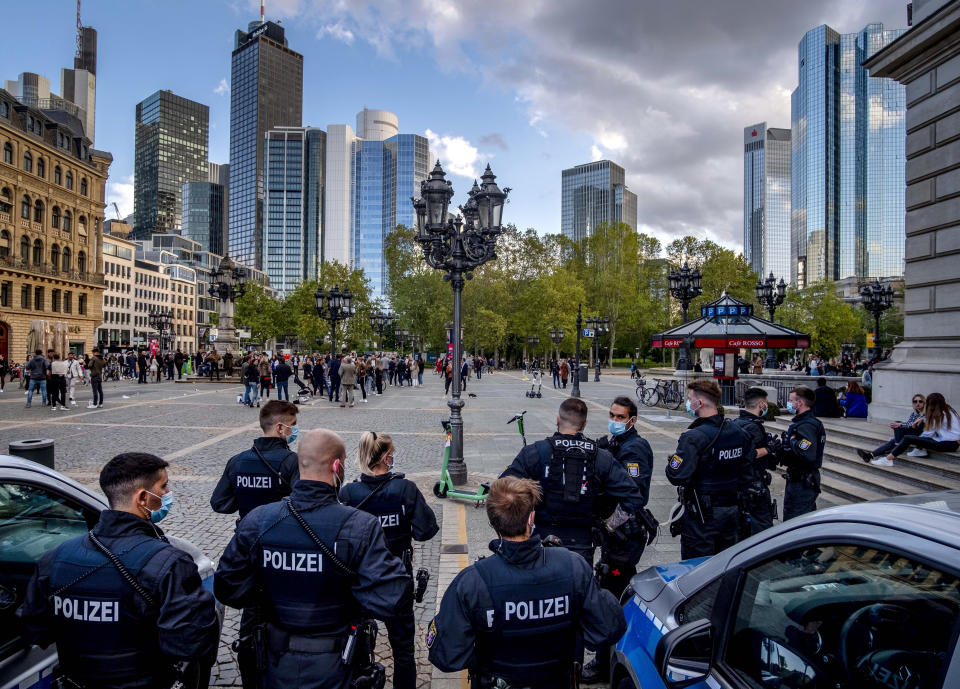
{"x": 40, "y": 385}
{"x": 282, "y": 391}
{"x": 250, "y": 394}
{"x": 420, "y": 378}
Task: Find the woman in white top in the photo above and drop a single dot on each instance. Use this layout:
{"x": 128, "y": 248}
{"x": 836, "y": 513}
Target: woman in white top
{"x": 941, "y": 433}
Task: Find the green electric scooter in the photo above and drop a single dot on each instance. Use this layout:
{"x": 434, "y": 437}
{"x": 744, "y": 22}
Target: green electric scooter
{"x": 444, "y": 487}
{"x": 519, "y": 419}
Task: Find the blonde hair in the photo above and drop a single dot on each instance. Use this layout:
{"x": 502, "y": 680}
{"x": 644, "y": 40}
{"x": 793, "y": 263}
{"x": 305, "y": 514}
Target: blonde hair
{"x": 373, "y": 446}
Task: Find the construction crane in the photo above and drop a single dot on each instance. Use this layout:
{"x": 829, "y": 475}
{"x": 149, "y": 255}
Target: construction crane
{"x": 117, "y": 209}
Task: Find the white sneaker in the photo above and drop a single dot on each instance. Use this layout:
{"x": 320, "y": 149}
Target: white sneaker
{"x": 881, "y": 462}
{"x": 918, "y": 452}
{"x": 91, "y": 406}
{"x": 62, "y": 408}
{"x": 73, "y": 403}
{"x": 99, "y": 406}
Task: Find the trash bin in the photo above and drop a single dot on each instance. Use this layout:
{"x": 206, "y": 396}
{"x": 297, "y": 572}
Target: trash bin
{"x": 39, "y": 450}
{"x": 584, "y": 373}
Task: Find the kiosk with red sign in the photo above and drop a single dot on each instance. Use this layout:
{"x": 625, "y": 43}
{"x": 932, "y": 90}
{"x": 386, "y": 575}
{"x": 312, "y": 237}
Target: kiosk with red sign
{"x": 728, "y": 325}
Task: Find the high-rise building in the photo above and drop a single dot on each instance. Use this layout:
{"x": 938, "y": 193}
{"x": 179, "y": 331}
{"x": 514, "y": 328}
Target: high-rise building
{"x": 204, "y": 213}
{"x": 847, "y": 177}
{"x": 172, "y": 139}
{"x": 766, "y": 199}
{"x": 293, "y": 211}
{"x": 370, "y": 178}
{"x": 266, "y": 91}
{"x": 593, "y": 194}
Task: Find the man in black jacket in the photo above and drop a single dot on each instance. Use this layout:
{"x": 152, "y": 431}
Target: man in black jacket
{"x": 282, "y": 373}
{"x": 802, "y": 454}
{"x": 826, "y": 405}
{"x": 757, "y": 509}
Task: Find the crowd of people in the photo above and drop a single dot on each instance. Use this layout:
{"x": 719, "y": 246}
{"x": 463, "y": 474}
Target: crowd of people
{"x": 56, "y": 377}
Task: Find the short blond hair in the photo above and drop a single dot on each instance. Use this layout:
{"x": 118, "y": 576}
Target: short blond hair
{"x": 509, "y": 504}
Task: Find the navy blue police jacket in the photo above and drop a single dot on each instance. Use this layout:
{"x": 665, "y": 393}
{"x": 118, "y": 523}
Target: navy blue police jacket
{"x": 712, "y": 455}
{"x": 399, "y": 505}
{"x": 106, "y": 634}
{"x": 247, "y": 483}
{"x": 272, "y": 562}
{"x": 803, "y": 444}
{"x": 519, "y": 613}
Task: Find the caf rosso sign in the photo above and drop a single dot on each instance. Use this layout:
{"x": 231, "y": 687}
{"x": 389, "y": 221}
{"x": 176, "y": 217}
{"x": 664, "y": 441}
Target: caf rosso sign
{"x": 729, "y": 343}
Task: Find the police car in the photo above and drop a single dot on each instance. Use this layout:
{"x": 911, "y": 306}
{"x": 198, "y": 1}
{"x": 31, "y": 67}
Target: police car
{"x": 864, "y": 596}
{"x": 39, "y": 509}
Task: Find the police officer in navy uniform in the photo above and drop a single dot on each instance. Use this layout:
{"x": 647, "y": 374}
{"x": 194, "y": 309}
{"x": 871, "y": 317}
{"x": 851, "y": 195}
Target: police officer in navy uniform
{"x": 122, "y": 604}
{"x": 573, "y": 471}
{"x": 623, "y": 545}
{"x": 312, "y": 565}
{"x": 757, "y": 509}
{"x": 403, "y": 515}
{"x": 263, "y": 474}
{"x": 711, "y": 457}
{"x": 802, "y": 454}
{"x": 520, "y": 615}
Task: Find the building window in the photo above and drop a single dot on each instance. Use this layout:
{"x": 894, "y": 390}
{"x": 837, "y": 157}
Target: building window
{"x": 27, "y": 162}
{"x": 81, "y": 262}
{"x": 8, "y": 153}
{"x": 25, "y": 296}
{"x": 82, "y": 305}
{"x": 65, "y": 263}
{"x": 41, "y": 168}
{"x": 38, "y": 211}
{"x": 4, "y": 244}
{"x": 58, "y": 174}
{"x": 67, "y": 221}
{"x": 55, "y": 256}
{"x": 25, "y": 206}
{"x": 83, "y": 186}
{"x": 69, "y": 184}
{"x": 5, "y": 289}
{"x": 55, "y": 218}
{"x": 24, "y": 248}
{"x": 38, "y": 299}
{"x": 37, "y": 252}
{"x": 82, "y": 224}
{"x": 68, "y": 302}
{"x": 55, "y": 301}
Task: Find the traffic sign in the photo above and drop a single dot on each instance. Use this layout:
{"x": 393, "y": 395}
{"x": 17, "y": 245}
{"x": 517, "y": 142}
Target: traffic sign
{"x": 870, "y": 341}
{"x": 587, "y": 332}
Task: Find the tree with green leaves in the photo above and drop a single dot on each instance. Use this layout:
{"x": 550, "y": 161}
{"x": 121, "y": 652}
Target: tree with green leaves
{"x": 828, "y": 319}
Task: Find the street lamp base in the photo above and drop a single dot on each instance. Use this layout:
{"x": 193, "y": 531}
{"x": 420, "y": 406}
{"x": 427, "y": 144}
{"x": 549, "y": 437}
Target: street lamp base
{"x": 457, "y": 470}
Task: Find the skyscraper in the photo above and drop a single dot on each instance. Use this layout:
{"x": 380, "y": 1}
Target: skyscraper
{"x": 204, "y": 214}
{"x": 266, "y": 91}
{"x": 171, "y": 145}
{"x": 293, "y": 212}
{"x": 847, "y": 199}
{"x": 766, "y": 199}
{"x": 593, "y": 194}
{"x": 79, "y": 85}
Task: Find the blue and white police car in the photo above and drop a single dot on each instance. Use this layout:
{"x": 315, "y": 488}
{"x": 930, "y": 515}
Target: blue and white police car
{"x": 40, "y": 509}
{"x": 863, "y": 596}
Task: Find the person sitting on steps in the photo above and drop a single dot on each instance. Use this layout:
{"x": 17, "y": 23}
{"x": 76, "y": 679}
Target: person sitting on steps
{"x": 941, "y": 433}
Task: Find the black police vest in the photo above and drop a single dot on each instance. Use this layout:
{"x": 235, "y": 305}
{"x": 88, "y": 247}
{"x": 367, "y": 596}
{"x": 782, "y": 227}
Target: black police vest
{"x": 819, "y": 432}
{"x": 757, "y": 469}
{"x": 529, "y": 637}
{"x": 306, "y": 593}
{"x": 569, "y": 481}
{"x": 719, "y": 470}
{"x": 106, "y": 633}
{"x": 395, "y": 515}
{"x": 255, "y": 484}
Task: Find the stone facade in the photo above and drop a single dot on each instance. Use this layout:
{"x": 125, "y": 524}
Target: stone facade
{"x": 51, "y": 218}
{"x": 926, "y": 59}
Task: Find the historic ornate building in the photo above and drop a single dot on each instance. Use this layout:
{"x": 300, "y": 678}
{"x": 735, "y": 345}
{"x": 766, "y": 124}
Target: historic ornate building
{"x": 51, "y": 223}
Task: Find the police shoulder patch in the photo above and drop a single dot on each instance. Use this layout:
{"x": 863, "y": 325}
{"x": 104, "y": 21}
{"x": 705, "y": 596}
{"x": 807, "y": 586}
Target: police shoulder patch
{"x": 675, "y": 461}
{"x": 805, "y": 444}
{"x": 431, "y": 633}
{"x": 633, "y": 469}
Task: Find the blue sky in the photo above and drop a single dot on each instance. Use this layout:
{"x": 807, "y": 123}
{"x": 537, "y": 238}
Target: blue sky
{"x": 532, "y": 87}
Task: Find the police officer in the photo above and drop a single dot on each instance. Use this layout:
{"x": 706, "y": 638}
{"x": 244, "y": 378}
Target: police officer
{"x": 311, "y": 565}
{"x": 711, "y": 456}
{"x": 263, "y": 474}
{"x": 757, "y": 509}
{"x": 519, "y": 615}
{"x": 403, "y": 514}
{"x": 624, "y": 544}
{"x": 572, "y": 471}
{"x": 122, "y": 605}
{"x": 802, "y": 454}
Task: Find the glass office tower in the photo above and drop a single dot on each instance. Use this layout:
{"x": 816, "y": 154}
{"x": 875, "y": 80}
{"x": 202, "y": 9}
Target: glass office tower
{"x": 171, "y": 145}
{"x": 266, "y": 91}
{"x": 204, "y": 214}
{"x": 293, "y": 183}
{"x": 847, "y": 200}
{"x": 593, "y": 194}
{"x": 766, "y": 199}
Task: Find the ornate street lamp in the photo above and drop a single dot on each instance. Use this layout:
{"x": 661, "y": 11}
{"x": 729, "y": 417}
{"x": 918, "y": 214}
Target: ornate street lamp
{"x": 771, "y": 294}
{"x": 334, "y": 306}
{"x": 533, "y": 341}
{"x": 876, "y": 299}
{"x": 685, "y": 286}
{"x": 402, "y": 335}
{"x": 575, "y": 392}
{"x": 556, "y": 334}
{"x": 380, "y": 321}
{"x": 600, "y": 325}
{"x": 457, "y": 246}
{"x": 160, "y": 320}
{"x": 227, "y": 284}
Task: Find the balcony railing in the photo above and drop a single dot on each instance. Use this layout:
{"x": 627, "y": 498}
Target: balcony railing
{"x": 4, "y": 217}
{"x": 50, "y": 271}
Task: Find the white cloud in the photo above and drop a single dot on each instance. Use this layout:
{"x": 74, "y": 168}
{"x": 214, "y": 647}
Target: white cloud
{"x": 223, "y": 87}
{"x": 337, "y": 31}
{"x": 595, "y": 153}
{"x": 120, "y": 191}
{"x": 457, "y": 155}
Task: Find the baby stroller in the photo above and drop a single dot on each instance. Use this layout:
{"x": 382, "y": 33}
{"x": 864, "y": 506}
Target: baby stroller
{"x": 535, "y": 384}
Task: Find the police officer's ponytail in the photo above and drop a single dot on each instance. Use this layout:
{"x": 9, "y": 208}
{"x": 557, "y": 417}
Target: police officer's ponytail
{"x": 373, "y": 446}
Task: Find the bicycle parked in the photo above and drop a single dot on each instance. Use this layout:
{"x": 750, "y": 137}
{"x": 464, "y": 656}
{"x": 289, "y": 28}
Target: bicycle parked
{"x": 665, "y": 393}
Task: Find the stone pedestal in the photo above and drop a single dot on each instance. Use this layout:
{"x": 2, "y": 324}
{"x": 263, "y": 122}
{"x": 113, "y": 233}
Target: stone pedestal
{"x": 927, "y": 60}
{"x": 226, "y": 333}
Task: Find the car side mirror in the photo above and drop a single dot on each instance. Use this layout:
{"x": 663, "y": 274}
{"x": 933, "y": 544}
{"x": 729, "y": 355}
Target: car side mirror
{"x": 684, "y": 655}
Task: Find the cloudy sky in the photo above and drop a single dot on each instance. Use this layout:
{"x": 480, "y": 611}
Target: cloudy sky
{"x": 662, "y": 87}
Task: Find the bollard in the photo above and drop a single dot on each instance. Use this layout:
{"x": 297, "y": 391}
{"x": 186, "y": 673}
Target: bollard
{"x": 39, "y": 450}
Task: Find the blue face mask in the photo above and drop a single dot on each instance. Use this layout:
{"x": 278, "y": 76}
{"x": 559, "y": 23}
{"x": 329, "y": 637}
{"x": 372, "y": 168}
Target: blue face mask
{"x": 616, "y": 427}
{"x": 690, "y": 409}
{"x": 294, "y": 432}
{"x": 166, "y": 503}
{"x": 791, "y": 408}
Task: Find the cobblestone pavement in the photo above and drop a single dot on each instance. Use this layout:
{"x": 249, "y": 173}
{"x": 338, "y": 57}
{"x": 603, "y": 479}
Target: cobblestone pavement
{"x": 197, "y": 427}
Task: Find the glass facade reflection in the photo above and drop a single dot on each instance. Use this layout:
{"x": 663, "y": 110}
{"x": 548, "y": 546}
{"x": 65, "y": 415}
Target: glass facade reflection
{"x": 592, "y": 194}
{"x": 294, "y": 186}
{"x": 204, "y": 214}
{"x": 266, "y": 91}
{"x": 766, "y": 199}
{"x": 847, "y": 200}
{"x": 171, "y": 147}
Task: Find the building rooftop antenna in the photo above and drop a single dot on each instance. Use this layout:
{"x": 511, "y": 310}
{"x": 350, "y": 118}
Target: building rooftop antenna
{"x": 79, "y": 33}
{"x": 261, "y": 10}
